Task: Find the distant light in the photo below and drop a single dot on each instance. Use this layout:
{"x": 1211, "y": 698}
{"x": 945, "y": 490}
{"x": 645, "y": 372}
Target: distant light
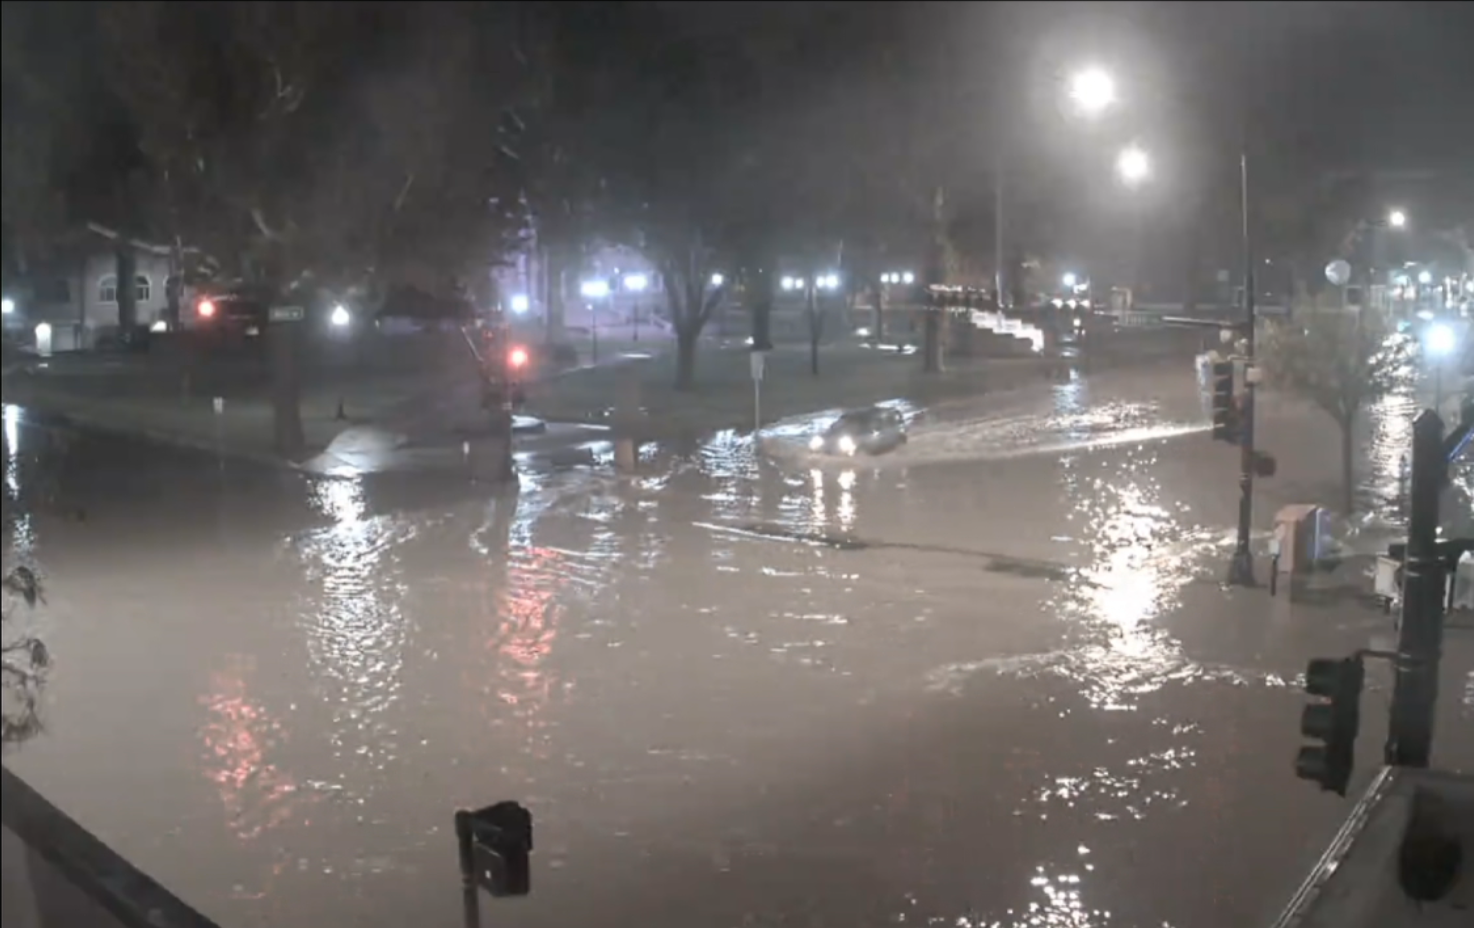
{"x": 1058, "y": 303}
{"x": 594, "y": 289}
{"x": 717, "y": 280}
{"x": 1093, "y": 91}
{"x": 908, "y": 278}
{"x": 1134, "y": 165}
{"x": 888, "y": 279}
{"x": 521, "y": 303}
{"x": 159, "y": 325}
{"x": 1070, "y": 280}
{"x": 827, "y": 282}
{"x": 1469, "y": 285}
{"x": 341, "y": 316}
{"x": 1397, "y": 219}
{"x": 43, "y": 331}
{"x": 517, "y": 357}
{"x": 636, "y": 282}
{"x": 1441, "y": 340}
{"x": 7, "y": 306}
{"x": 1425, "y": 277}
{"x": 206, "y": 309}
{"x": 788, "y": 283}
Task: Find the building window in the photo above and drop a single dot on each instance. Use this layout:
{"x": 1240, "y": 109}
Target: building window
{"x": 107, "y": 289}
{"x": 142, "y": 288}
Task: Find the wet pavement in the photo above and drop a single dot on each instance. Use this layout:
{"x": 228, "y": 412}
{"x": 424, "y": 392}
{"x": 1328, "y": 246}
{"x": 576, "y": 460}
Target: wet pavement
{"x": 990, "y": 681}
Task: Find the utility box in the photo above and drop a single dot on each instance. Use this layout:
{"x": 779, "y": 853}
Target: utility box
{"x": 1301, "y": 535}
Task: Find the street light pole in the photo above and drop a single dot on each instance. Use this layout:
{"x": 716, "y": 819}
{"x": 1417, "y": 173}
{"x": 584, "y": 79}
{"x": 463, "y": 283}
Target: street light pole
{"x": 999, "y": 279}
{"x": 1241, "y": 568}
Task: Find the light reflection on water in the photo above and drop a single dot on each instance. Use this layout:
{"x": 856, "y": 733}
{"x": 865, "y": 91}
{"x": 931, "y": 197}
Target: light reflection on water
{"x": 355, "y": 629}
{"x": 1117, "y": 514}
{"x": 240, "y": 738}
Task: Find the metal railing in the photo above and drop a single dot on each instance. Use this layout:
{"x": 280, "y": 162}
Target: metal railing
{"x": 57, "y": 874}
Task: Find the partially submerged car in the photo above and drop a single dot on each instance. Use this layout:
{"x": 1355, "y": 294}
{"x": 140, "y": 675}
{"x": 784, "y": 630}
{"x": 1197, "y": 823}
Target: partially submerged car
{"x": 873, "y": 430}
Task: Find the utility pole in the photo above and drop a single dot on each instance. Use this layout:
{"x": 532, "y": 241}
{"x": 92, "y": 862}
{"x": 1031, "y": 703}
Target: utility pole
{"x": 1420, "y": 638}
{"x": 1241, "y": 568}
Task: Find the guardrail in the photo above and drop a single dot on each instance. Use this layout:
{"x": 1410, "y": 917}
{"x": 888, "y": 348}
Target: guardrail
{"x": 57, "y": 874}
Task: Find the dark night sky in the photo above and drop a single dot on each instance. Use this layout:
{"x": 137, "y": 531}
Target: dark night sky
{"x": 1318, "y": 87}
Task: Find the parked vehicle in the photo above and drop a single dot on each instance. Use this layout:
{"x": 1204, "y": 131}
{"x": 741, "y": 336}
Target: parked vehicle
{"x": 873, "y": 430}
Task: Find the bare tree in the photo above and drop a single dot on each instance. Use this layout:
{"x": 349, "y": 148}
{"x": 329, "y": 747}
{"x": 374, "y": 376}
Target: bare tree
{"x": 24, "y": 660}
{"x": 1342, "y": 362}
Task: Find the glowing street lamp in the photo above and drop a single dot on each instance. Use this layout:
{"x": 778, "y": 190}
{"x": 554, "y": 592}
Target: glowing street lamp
{"x": 1133, "y": 165}
{"x": 717, "y": 280}
{"x": 1441, "y": 340}
{"x": 520, "y": 303}
{"x": 1070, "y": 280}
{"x": 635, "y": 283}
{"x": 7, "y": 306}
{"x": 1093, "y": 91}
{"x": 1397, "y": 219}
{"x": 594, "y": 289}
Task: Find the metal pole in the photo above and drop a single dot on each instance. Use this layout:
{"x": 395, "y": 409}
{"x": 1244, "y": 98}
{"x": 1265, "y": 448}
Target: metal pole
{"x": 757, "y": 405}
{"x": 1000, "y": 279}
{"x": 1420, "y": 637}
{"x": 1241, "y": 568}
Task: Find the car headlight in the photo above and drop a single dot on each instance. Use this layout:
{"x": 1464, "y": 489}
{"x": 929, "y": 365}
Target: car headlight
{"x": 846, "y": 445}
{"x": 816, "y": 443}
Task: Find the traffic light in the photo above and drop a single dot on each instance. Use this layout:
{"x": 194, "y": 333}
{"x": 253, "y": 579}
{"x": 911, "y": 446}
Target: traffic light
{"x": 1333, "y": 720}
{"x": 1225, "y": 414}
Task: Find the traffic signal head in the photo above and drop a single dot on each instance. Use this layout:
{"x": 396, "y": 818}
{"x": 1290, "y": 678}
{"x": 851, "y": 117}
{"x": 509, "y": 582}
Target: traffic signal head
{"x": 1333, "y": 719}
{"x": 1225, "y": 415}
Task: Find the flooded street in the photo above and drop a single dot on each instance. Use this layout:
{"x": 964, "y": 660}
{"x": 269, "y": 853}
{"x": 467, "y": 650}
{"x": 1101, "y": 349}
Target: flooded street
{"x": 990, "y": 681}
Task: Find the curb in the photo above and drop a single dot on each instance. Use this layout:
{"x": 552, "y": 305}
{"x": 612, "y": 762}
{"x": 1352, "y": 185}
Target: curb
{"x": 157, "y": 437}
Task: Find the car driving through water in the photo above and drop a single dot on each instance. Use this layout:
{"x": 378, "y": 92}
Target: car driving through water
{"x": 873, "y": 430}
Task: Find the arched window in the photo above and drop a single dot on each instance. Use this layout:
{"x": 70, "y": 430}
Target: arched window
{"x": 107, "y": 289}
{"x": 142, "y": 288}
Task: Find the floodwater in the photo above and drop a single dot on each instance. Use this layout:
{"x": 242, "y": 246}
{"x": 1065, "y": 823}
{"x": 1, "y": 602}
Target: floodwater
{"x": 989, "y": 682}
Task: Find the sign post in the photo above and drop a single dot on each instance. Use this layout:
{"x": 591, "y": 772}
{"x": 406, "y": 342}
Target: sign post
{"x": 757, "y": 360}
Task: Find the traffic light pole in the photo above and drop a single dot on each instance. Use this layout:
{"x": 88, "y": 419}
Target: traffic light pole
{"x": 1241, "y": 568}
{"x": 1420, "y": 638}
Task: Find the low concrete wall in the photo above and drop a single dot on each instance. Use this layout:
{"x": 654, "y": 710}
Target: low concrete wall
{"x": 56, "y": 874}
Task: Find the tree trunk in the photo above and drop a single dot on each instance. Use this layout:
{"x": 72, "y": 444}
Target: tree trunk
{"x": 881, "y": 296}
{"x": 686, "y": 337}
{"x": 286, "y": 388}
{"x": 126, "y": 272}
{"x": 931, "y": 349}
{"x": 762, "y": 319}
{"x": 816, "y": 329}
{"x": 1348, "y": 470}
{"x": 553, "y": 308}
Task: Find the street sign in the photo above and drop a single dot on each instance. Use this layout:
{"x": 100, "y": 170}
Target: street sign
{"x": 1338, "y": 272}
{"x": 757, "y": 360}
{"x": 287, "y": 314}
